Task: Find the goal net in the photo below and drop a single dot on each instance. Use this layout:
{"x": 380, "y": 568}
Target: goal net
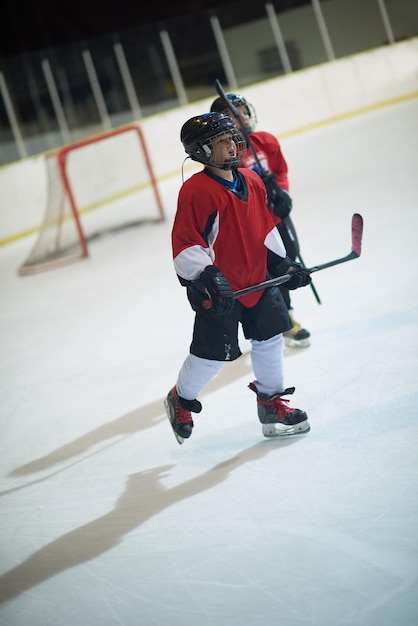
{"x": 97, "y": 185}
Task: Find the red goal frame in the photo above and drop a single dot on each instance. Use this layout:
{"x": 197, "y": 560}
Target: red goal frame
{"x": 35, "y": 262}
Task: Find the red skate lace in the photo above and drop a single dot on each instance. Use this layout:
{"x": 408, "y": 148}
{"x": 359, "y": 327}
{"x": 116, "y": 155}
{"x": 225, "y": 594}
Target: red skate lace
{"x": 182, "y": 416}
{"x": 277, "y": 405}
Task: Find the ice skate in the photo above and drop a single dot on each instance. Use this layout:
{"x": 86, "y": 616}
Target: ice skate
{"x": 277, "y": 418}
{"x": 179, "y": 413}
{"x": 297, "y": 336}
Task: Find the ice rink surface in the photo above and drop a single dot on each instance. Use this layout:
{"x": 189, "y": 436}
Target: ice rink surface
{"x": 106, "y": 521}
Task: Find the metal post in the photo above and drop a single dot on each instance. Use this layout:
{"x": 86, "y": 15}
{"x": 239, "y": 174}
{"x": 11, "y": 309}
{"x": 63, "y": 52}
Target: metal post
{"x": 67, "y": 99}
{"x": 127, "y": 81}
{"x": 223, "y": 53}
{"x": 97, "y": 92}
{"x": 323, "y": 30}
{"x": 278, "y": 37}
{"x": 56, "y": 102}
{"x": 12, "y": 118}
{"x": 174, "y": 69}
{"x": 386, "y": 21}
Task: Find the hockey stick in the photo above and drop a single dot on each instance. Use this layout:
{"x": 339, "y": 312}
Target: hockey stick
{"x": 356, "y": 239}
{"x": 243, "y": 129}
{"x": 315, "y": 293}
{"x": 260, "y": 167}
{"x": 291, "y": 233}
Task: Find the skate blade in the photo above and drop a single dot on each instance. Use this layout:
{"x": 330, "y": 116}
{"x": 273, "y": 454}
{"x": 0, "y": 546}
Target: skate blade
{"x": 180, "y": 440}
{"x": 283, "y": 431}
{"x": 293, "y": 343}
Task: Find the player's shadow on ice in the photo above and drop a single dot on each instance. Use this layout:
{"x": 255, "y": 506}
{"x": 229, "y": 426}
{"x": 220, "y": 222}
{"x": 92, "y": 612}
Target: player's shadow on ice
{"x": 145, "y": 497}
{"x": 140, "y": 419}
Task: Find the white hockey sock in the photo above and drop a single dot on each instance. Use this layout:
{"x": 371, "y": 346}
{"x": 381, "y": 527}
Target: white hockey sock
{"x": 267, "y": 362}
{"x": 195, "y": 374}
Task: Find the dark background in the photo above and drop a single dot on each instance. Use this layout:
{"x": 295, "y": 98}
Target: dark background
{"x": 29, "y": 25}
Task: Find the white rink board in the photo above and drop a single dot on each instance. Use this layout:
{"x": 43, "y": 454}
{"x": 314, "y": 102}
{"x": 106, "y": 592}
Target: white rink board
{"x": 284, "y": 106}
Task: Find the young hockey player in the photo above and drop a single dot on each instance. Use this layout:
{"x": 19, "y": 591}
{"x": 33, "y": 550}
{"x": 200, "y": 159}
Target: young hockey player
{"x": 224, "y": 239}
{"x": 271, "y": 158}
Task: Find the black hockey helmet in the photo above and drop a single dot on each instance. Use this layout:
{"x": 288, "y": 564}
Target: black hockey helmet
{"x": 236, "y": 100}
{"x": 198, "y": 133}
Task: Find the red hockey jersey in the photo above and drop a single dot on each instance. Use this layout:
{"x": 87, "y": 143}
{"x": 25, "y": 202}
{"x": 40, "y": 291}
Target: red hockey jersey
{"x": 229, "y": 229}
{"x": 270, "y": 155}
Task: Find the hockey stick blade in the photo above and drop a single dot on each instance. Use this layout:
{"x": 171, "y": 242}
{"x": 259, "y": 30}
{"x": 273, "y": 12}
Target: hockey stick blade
{"x": 356, "y": 233}
{"x": 356, "y": 240}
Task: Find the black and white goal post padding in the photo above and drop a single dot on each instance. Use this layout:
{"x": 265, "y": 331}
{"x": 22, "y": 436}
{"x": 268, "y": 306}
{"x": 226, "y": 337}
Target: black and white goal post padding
{"x": 356, "y": 242}
{"x": 94, "y": 186}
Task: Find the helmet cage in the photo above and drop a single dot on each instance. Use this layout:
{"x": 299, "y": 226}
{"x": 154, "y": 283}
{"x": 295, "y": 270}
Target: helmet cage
{"x": 237, "y": 101}
{"x": 198, "y": 135}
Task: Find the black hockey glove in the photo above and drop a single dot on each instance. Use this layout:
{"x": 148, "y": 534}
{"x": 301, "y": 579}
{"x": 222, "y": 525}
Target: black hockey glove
{"x": 278, "y": 266}
{"x": 300, "y": 276}
{"x": 211, "y": 287}
{"x": 278, "y": 200}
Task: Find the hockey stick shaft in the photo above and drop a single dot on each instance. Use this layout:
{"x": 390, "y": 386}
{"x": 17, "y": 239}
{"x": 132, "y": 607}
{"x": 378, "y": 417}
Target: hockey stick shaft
{"x": 356, "y": 241}
{"x": 312, "y": 286}
{"x": 260, "y": 167}
{"x": 280, "y": 280}
{"x": 240, "y": 123}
